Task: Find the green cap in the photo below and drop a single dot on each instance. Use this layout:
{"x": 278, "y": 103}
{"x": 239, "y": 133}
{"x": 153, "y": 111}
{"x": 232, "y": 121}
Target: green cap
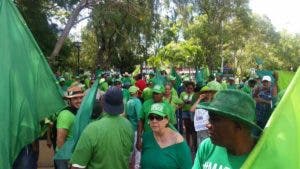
{"x": 133, "y": 89}
{"x": 159, "y": 109}
{"x": 158, "y": 89}
{"x": 235, "y": 105}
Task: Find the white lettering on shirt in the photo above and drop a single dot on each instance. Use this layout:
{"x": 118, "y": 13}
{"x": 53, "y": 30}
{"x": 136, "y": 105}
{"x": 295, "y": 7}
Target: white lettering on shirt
{"x": 210, "y": 165}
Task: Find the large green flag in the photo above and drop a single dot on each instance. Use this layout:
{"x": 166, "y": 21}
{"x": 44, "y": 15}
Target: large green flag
{"x": 82, "y": 119}
{"x": 279, "y": 145}
{"x": 28, "y": 89}
{"x": 284, "y": 79}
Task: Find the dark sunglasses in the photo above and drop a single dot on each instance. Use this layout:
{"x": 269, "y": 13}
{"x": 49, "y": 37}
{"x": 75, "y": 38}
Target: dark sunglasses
{"x": 151, "y": 117}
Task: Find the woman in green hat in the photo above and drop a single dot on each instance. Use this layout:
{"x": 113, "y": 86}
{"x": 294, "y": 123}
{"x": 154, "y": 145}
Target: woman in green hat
{"x": 231, "y": 121}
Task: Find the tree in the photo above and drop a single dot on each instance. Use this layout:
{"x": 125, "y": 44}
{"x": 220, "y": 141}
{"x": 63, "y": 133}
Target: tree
{"x": 124, "y": 31}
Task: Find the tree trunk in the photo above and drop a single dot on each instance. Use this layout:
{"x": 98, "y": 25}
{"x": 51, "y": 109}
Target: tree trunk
{"x": 67, "y": 28}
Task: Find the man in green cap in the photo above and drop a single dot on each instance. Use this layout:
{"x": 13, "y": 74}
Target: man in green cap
{"x": 143, "y": 124}
{"x": 231, "y": 120}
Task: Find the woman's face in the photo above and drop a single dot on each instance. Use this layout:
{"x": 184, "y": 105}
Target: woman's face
{"x": 158, "y": 123}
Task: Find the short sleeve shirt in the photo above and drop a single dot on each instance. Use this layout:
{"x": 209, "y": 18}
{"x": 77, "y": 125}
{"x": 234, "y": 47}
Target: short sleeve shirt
{"x": 212, "y": 156}
{"x": 65, "y": 120}
{"x": 106, "y": 143}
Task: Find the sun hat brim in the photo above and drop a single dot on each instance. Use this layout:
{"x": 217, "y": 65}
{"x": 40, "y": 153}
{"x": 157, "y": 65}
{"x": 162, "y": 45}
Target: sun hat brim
{"x": 230, "y": 115}
{"x": 112, "y": 109}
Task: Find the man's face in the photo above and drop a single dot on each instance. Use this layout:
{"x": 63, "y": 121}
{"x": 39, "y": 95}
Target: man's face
{"x": 75, "y": 102}
{"x": 266, "y": 83}
{"x": 221, "y": 130}
{"x": 157, "y": 97}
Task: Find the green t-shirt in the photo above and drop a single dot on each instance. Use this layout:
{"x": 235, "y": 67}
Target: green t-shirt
{"x": 147, "y": 94}
{"x": 106, "y": 143}
{"x": 187, "y": 99}
{"x": 133, "y": 107}
{"x": 65, "y": 120}
{"x": 174, "y": 102}
{"x": 212, "y": 156}
{"x": 176, "y": 156}
{"x": 145, "y": 111}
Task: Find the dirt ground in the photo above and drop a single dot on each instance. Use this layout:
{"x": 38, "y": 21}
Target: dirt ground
{"x": 45, "y": 156}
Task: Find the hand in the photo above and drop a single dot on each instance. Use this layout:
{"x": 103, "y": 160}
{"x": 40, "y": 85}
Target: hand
{"x": 202, "y": 96}
{"x": 49, "y": 143}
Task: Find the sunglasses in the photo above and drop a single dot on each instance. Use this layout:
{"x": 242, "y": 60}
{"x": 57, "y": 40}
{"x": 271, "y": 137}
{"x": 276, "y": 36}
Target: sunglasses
{"x": 151, "y": 117}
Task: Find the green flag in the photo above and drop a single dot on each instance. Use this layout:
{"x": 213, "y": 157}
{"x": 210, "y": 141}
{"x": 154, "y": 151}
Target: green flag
{"x": 284, "y": 79}
{"x": 28, "y": 89}
{"x": 178, "y": 78}
{"x": 279, "y": 145}
{"x": 158, "y": 78}
{"x": 82, "y": 119}
{"x": 136, "y": 71}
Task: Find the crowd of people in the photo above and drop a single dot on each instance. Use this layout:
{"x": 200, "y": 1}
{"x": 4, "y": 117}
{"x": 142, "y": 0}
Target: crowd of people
{"x": 150, "y": 123}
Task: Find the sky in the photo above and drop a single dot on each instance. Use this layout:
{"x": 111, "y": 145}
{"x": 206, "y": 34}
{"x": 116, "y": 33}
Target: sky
{"x": 284, "y": 14}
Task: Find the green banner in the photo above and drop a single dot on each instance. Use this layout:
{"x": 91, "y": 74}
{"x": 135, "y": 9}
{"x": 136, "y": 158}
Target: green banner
{"x": 28, "y": 89}
{"x": 279, "y": 145}
{"x": 284, "y": 79}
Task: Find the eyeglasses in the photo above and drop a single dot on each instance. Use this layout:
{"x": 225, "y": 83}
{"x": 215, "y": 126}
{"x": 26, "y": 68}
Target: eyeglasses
{"x": 151, "y": 117}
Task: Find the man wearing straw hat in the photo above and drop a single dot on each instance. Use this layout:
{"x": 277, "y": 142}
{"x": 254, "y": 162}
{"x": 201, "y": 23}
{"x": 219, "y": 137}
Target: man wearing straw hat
{"x": 231, "y": 120}
{"x": 65, "y": 122}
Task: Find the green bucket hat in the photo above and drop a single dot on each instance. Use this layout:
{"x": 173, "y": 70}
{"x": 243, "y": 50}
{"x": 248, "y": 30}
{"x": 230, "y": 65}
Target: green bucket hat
{"x": 158, "y": 109}
{"x": 158, "y": 89}
{"x": 214, "y": 85}
{"x": 235, "y": 105}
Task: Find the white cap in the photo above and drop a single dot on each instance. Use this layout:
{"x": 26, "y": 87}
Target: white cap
{"x": 266, "y": 78}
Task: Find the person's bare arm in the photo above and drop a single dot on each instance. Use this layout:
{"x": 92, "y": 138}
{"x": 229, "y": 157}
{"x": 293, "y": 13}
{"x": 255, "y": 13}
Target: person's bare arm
{"x": 194, "y": 106}
{"x": 61, "y": 137}
{"x": 139, "y": 135}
